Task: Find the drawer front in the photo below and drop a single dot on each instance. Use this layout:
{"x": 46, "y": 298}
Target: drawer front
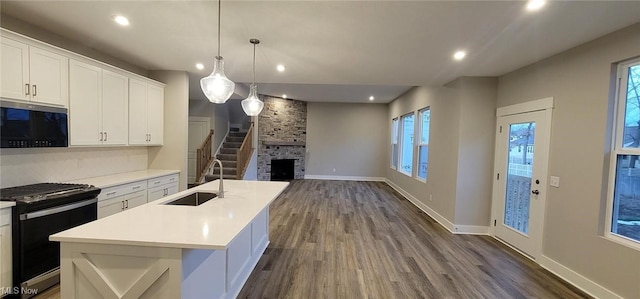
{"x": 121, "y": 190}
{"x": 163, "y": 180}
{"x": 5, "y": 216}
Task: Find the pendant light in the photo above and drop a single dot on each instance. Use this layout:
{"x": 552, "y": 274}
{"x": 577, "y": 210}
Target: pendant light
{"x": 252, "y": 105}
{"x": 217, "y": 87}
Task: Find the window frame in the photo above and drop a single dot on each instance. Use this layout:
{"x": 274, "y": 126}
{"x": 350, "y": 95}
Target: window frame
{"x": 401, "y": 143}
{"x": 420, "y": 144}
{"x": 395, "y": 141}
{"x": 617, "y": 148}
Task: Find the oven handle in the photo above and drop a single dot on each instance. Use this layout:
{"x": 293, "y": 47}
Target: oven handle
{"x": 57, "y": 209}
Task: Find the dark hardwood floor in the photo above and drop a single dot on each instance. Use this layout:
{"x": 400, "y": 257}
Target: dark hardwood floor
{"x": 337, "y": 239}
{"x": 340, "y": 239}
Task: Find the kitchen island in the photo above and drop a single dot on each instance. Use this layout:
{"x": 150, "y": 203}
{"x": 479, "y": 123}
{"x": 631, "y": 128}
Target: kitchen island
{"x": 171, "y": 251}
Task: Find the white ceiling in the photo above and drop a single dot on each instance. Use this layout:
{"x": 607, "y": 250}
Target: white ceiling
{"x": 333, "y": 50}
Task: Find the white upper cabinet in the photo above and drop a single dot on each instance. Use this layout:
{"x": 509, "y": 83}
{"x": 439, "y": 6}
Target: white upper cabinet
{"x": 146, "y": 113}
{"x": 98, "y": 106}
{"x": 33, "y": 74}
{"x": 115, "y": 108}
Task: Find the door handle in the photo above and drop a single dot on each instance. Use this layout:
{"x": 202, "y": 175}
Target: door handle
{"x": 27, "y": 89}
{"x": 127, "y": 204}
{"x": 536, "y": 192}
{"x": 101, "y": 136}
{"x": 35, "y": 91}
{"x": 105, "y": 136}
{"x": 122, "y": 204}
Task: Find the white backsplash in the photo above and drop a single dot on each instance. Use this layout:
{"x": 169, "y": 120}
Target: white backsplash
{"x": 39, "y": 165}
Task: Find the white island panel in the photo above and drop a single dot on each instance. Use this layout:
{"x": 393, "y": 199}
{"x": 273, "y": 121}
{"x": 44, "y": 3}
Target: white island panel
{"x": 160, "y": 251}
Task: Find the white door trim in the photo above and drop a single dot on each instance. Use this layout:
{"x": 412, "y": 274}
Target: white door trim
{"x": 537, "y": 105}
{"x": 545, "y": 105}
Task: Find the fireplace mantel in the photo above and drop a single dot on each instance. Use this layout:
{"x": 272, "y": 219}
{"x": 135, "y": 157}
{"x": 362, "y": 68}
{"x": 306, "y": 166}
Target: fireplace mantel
{"x": 283, "y": 142}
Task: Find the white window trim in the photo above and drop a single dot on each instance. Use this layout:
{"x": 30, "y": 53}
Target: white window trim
{"x": 617, "y": 149}
{"x": 400, "y": 144}
{"x": 396, "y": 119}
{"x": 417, "y": 147}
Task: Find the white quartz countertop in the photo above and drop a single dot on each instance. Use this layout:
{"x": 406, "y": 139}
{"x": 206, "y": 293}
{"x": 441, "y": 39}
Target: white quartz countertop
{"x": 6, "y": 204}
{"x": 124, "y": 178}
{"x": 211, "y": 225}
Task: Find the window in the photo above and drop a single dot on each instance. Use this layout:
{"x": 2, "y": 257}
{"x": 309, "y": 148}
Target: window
{"x": 423, "y": 142}
{"x": 394, "y": 143}
{"x": 406, "y": 144}
{"x": 624, "y": 201}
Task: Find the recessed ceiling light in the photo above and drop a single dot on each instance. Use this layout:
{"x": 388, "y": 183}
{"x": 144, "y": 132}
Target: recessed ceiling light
{"x": 459, "y": 55}
{"x": 533, "y": 5}
{"x": 371, "y": 98}
{"x": 280, "y": 68}
{"x": 284, "y": 96}
{"x": 199, "y": 66}
{"x": 121, "y": 20}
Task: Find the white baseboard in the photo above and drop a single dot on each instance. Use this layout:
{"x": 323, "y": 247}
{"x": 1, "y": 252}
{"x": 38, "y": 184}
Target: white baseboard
{"x": 454, "y": 229}
{"x": 471, "y": 229}
{"x": 427, "y": 210}
{"x": 574, "y": 278}
{"x": 344, "y": 178}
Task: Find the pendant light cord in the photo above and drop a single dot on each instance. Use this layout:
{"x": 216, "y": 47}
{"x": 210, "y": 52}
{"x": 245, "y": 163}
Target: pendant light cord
{"x": 254, "y": 63}
{"x": 219, "y": 7}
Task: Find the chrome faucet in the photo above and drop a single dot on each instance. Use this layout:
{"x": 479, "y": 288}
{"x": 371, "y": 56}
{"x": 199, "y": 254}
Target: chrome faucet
{"x": 221, "y": 185}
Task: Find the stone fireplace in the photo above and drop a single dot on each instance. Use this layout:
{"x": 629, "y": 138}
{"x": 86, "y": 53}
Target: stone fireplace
{"x": 282, "y": 135}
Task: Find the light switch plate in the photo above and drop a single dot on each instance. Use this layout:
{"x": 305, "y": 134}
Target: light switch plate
{"x": 554, "y": 181}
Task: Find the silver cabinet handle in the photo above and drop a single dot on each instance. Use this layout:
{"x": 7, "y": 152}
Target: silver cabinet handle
{"x": 122, "y": 204}
{"x": 135, "y": 187}
{"x": 149, "y": 137}
{"x": 101, "y": 136}
{"x": 111, "y": 193}
{"x": 105, "y": 136}
{"x": 26, "y": 89}
{"x": 127, "y": 204}
{"x": 35, "y": 91}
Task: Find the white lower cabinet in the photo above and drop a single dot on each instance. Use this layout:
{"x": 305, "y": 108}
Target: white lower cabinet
{"x": 5, "y": 250}
{"x": 162, "y": 186}
{"x": 116, "y": 199}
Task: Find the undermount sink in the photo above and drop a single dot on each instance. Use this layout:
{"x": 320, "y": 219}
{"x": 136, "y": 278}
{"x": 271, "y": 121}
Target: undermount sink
{"x": 193, "y": 199}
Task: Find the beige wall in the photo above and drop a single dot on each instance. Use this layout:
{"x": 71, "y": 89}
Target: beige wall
{"x": 477, "y": 98}
{"x": 173, "y": 154}
{"x": 352, "y": 138}
{"x": 443, "y": 144}
{"x": 579, "y": 81}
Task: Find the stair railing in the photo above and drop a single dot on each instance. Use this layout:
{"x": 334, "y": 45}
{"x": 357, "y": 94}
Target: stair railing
{"x": 203, "y": 158}
{"x": 244, "y": 154}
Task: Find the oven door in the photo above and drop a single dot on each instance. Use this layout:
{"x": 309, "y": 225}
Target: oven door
{"x": 37, "y": 255}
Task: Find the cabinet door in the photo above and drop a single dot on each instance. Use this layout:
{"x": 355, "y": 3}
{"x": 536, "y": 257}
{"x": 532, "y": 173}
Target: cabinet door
{"x": 5, "y": 257}
{"x": 49, "y": 77}
{"x": 156, "y": 193}
{"x": 14, "y": 69}
{"x": 110, "y": 206}
{"x": 85, "y": 115}
{"x": 172, "y": 188}
{"x": 135, "y": 199}
{"x": 115, "y": 106}
{"x": 137, "y": 112}
{"x": 155, "y": 114}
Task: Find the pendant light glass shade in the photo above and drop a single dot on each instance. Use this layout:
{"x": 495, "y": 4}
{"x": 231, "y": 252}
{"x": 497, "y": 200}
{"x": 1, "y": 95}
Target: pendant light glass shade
{"x": 252, "y": 105}
{"x": 217, "y": 87}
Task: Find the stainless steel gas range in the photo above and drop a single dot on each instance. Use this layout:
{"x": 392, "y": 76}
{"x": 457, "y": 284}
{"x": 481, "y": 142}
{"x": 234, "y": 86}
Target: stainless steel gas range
{"x": 42, "y": 210}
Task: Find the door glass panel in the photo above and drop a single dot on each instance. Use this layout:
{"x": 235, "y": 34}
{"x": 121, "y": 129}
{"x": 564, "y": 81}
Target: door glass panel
{"x": 520, "y": 160}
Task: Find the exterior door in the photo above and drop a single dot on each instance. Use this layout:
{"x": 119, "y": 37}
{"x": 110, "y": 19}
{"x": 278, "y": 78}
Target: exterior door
{"x": 522, "y": 150}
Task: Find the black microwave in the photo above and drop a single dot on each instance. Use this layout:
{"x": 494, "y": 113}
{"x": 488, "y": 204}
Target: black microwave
{"x": 29, "y": 125}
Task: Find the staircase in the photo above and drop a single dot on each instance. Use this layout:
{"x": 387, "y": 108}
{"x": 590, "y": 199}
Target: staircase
{"x": 229, "y": 154}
